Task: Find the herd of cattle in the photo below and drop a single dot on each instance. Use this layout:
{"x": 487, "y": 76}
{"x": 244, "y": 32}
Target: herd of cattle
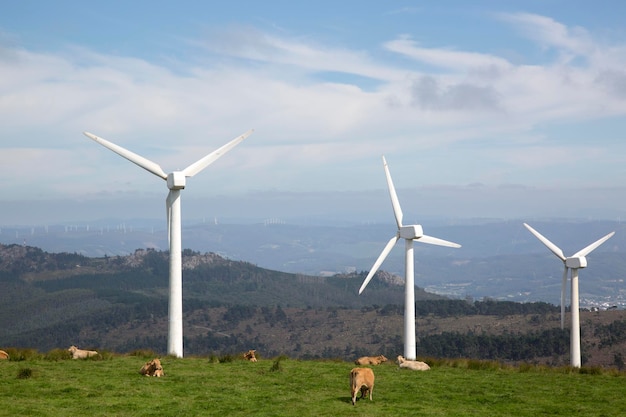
{"x": 150, "y": 368}
{"x": 361, "y": 379}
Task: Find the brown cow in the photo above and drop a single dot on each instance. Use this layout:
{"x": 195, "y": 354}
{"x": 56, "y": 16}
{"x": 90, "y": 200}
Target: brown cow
{"x": 361, "y": 379}
{"x": 413, "y": 365}
{"x": 249, "y": 355}
{"x": 80, "y": 353}
{"x": 370, "y": 360}
{"x": 4, "y": 355}
{"x": 152, "y": 368}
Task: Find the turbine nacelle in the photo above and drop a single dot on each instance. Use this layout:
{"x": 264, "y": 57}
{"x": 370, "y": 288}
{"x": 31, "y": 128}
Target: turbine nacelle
{"x": 176, "y": 180}
{"x": 576, "y": 262}
{"x": 411, "y": 232}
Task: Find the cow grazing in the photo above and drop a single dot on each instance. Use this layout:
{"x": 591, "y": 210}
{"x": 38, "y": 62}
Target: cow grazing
{"x": 413, "y": 365}
{"x": 361, "y": 379}
{"x": 152, "y": 368}
{"x": 249, "y": 355}
{"x": 3, "y": 355}
{"x": 370, "y": 360}
{"x": 80, "y": 353}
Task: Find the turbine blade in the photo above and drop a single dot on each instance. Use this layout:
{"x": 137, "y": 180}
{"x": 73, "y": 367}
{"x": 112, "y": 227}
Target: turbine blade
{"x": 436, "y": 241}
{"x": 554, "y": 248}
{"x": 198, "y": 166}
{"x": 586, "y": 251}
{"x": 563, "y": 289}
{"x": 146, "y": 164}
{"x": 397, "y": 210}
{"x": 379, "y": 261}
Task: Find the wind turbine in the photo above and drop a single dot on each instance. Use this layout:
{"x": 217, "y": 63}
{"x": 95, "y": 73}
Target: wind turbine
{"x": 409, "y": 233}
{"x": 573, "y": 263}
{"x": 176, "y": 181}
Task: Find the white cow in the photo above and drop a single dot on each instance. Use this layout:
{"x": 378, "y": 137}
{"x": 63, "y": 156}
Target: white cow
{"x": 413, "y": 365}
{"x": 80, "y": 353}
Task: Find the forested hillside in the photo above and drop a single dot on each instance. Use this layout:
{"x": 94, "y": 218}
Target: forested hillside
{"x": 120, "y": 304}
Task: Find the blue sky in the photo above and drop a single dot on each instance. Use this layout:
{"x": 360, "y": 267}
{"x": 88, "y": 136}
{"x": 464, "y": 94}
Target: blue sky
{"x": 488, "y": 109}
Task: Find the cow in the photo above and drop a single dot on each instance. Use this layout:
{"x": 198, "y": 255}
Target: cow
{"x": 3, "y": 355}
{"x": 413, "y": 365}
{"x": 249, "y": 355}
{"x": 361, "y": 379}
{"x": 370, "y": 360}
{"x": 80, "y": 353}
{"x": 152, "y": 368}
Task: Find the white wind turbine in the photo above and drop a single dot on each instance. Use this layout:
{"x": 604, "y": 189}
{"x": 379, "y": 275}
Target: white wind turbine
{"x": 573, "y": 263}
{"x": 175, "y": 182}
{"x": 409, "y": 233}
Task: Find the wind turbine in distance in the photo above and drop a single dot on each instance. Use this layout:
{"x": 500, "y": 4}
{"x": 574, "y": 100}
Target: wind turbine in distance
{"x": 573, "y": 263}
{"x": 409, "y": 233}
{"x": 176, "y": 181}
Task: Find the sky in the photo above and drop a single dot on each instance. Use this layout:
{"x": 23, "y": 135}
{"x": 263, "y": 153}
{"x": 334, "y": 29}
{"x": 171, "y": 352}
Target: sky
{"x": 482, "y": 109}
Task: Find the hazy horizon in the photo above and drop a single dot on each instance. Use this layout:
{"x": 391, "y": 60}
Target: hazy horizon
{"x": 418, "y": 204}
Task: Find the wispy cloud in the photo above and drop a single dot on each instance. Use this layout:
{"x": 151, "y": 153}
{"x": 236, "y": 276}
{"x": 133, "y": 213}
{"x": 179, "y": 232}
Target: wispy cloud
{"x": 461, "y": 61}
{"x": 311, "y": 130}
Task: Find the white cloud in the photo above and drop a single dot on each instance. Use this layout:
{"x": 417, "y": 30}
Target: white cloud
{"x": 461, "y": 61}
{"x": 551, "y": 34}
{"x": 311, "y": 132}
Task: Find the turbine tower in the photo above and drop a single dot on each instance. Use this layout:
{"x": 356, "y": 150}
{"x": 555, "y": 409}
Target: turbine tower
{"x": 409, "y": 233}
{"x": 176, "y": 181}
{"x": 573, "y": 263}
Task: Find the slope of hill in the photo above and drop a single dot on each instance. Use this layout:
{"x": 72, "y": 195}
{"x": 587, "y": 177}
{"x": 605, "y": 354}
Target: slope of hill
{"x": 120, "y": 304}
{"x": 48, "y": 298}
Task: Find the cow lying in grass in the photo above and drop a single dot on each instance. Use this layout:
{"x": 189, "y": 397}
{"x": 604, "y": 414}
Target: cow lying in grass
{"x": 80, "y": 353}
{"x": 4, "y": 355}
{"x": 413, "y": 365}
{"x": 370, "y": 360}
{"x": 249, "y": 355}
{"x": 361, "y": 379}
{"x": 152, "y": 368}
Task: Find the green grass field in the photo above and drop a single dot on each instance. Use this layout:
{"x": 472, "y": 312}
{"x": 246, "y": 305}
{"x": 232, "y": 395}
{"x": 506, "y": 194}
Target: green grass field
{"x": 199, "y": 387}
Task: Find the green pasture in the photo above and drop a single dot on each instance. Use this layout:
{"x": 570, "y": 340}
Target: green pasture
{"x": 204, "y": 387}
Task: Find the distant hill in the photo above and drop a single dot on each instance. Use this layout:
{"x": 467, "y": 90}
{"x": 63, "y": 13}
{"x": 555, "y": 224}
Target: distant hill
{"x": 119, "y": 303}
{"x": 47, "y": 298}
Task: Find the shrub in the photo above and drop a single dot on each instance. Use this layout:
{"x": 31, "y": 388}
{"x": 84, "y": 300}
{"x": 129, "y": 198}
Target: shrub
{"x": 226, "y": 358}
{"x": 58, "y": 355}
{"x": 480, "y": 365}
{"x": 23, "y": 354}
{"x": 276, "y": 366}
{"x": 24, "y": 373}
{"x": 144, "y": 353}
{"x": 591, "y": 370}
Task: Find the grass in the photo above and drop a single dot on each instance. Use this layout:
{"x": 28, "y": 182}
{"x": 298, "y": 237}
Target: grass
{"x": 204, "y": 387}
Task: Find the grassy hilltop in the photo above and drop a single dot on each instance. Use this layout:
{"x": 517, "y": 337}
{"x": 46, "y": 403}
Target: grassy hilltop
{"x": 285, "y": 387}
